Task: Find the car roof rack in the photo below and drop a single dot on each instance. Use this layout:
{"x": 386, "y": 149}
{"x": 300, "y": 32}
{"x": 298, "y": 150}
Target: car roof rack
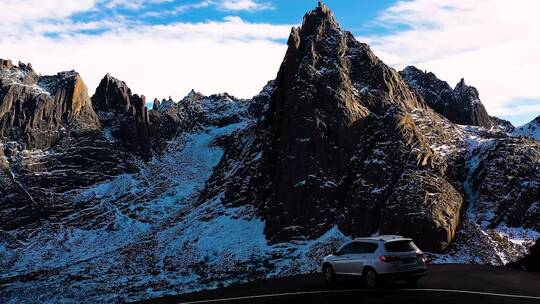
{"x": 384, "y": 237}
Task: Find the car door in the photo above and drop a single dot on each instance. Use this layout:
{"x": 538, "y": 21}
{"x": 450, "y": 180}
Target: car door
{"x": 341, "y": 259}
{"x": 357, "y": 258}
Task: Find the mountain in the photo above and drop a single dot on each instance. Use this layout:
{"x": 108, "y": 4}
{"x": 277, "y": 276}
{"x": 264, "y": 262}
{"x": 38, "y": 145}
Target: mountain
{"x": 339, "y": 141}
{"x": 51, "y": 144}
{"x": 531, "y": 129}
{"x": 501, "y": 124}
{"x": 116, "y": 202}
{"x": 123, "y": 115}
{"x": 460, "y": 105}
{"x": 37, "y": 111}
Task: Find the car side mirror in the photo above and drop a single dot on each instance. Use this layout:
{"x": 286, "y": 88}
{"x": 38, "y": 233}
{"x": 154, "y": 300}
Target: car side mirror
{"x": 335, "y": 252}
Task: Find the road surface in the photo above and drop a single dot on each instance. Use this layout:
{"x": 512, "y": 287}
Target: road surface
{"x": 444, "y": 284}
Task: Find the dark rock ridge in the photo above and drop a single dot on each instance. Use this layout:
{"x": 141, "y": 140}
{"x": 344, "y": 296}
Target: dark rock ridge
{"x": 123, "y": 115}
{"x": 339, "y": 147}
{"x": 461, "y": 105}
{"x": 197, "y": 111}
{"x": 502, "y": 124}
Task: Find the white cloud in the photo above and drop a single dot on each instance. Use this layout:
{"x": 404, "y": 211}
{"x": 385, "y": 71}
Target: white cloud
{"x": 246, "y": 5}
{"x": 226, "y": 5}
{"x": 494, "y": 44}
{"x": 133, "y": 4}
{"x": 231, "y": 56}
{"x": 20, "y": 11}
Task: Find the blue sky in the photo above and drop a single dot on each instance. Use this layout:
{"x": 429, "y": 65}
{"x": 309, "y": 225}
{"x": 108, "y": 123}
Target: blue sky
{"x": 353, "y": 15}
{"x": 164, "y": 48}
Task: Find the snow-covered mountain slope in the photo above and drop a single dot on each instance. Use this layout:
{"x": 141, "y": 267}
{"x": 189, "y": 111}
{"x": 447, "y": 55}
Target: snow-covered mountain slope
{"x": 501, "y": 186}
{"x": 531, "y": 129}
{"x": 147, "y": 234}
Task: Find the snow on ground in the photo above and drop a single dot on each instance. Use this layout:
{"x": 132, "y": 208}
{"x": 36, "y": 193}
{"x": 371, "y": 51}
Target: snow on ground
{"x": 146, "y": 234}
{"x": 16, "y": 76}
{"x": 477, "y": 242}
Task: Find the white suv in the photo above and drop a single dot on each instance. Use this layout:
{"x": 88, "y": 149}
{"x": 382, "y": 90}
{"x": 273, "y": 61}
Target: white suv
{"x": 390, "y": 257}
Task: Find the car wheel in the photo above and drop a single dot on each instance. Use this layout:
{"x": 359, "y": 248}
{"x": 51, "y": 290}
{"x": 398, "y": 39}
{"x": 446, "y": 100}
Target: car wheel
{"x": 370, "y": 278}
{"x": 329, "y": 274}
{"x": 412, "y": 281}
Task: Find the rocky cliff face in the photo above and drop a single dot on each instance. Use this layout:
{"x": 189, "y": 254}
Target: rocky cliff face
{"x": 461, "y": 105}
{"x": 41, "y": 110}
{"x": 51, "y": 135}
{"x": 339, "y": 147}
{"x": 124, "y": 115}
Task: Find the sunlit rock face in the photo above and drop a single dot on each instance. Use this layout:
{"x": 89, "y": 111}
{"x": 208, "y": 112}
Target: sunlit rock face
{"x": 38, "y": 111}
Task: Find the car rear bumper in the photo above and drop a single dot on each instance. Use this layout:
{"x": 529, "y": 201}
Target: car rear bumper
{"x": 404, "y": 274}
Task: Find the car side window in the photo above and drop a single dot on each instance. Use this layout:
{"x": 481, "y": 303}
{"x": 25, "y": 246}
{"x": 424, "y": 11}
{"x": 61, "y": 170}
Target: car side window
{"x": 347, "y": 249}
{"x": 358, "y": 248}
{"x": 371, "y": 247}
{"x": 364, "y": 247}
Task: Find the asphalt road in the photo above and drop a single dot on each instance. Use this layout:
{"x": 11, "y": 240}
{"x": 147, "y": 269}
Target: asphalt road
{"x": 444, "y": 284}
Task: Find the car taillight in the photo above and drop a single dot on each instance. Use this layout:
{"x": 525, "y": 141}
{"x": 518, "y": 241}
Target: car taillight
{"x": 421, "y": 256}
{"x": 387, "y": 258}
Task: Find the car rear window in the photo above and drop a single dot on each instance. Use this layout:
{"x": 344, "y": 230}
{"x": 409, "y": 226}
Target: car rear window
{"x": 400, "y": 246}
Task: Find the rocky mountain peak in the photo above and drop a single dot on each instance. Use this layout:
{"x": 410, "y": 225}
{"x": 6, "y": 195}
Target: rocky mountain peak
{"x": 114, "y": 95}
{"x": 124, "y": 113}
{"x": 330, "y": 102}
{"x": 344, "y": 74}
{"x": 462, "y": 89}
{"x": 5, "y": 64}
{"x": 193, "y": 96}
{"x": 460, "y": 105}
{"x": 321, "y": 16}
{"x": 155, "y": 104}
{"x": 531, "y": 129}
{"x": 502, "y": 124}
{"x": 461, "y": 85}
{"x": 41, "y": 110}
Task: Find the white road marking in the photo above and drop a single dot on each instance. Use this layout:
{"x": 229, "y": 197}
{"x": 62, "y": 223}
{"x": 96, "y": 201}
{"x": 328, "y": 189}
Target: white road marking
{"x": 475, "y": 292}
{"x": 273, "y": 295}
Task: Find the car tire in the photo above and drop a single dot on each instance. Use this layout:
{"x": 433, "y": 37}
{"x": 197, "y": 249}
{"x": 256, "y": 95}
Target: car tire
{"x": 329, "y": 274}
{"x": 369, "y": 277}
{"x": 411, "y": 282}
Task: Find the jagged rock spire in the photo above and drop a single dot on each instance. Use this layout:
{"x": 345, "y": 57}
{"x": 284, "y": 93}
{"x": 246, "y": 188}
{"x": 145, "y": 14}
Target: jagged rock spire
{"x": 156, "y": 104}
{"x": 320, "y": 16}
{"x": 460, "y": 105}
{"x": 124, "y": 112}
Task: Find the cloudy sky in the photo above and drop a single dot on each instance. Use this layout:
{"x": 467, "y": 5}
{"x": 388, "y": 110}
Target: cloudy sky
{"x": 164, "y": 48}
